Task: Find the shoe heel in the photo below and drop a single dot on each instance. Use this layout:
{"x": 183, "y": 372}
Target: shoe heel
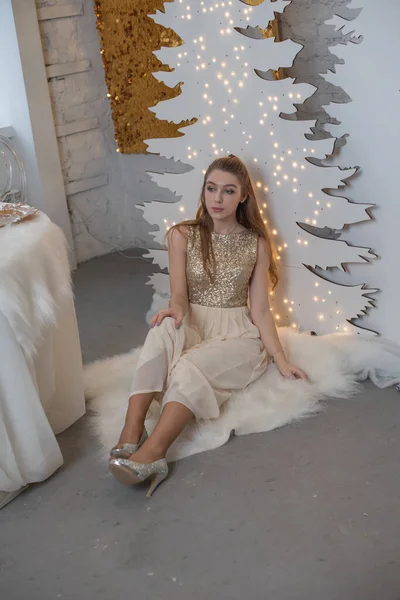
{"x": 155, "y": 482}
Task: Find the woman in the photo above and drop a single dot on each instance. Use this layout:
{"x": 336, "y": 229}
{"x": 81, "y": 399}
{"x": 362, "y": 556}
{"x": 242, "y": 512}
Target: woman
{"x": 208, "y": 343}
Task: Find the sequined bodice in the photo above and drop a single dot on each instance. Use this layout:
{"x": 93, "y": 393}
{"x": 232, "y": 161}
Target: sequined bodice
{"x": 235, "y": 257}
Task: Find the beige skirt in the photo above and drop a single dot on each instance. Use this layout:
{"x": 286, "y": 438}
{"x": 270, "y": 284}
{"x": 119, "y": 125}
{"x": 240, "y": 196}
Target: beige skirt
{"x": 215, "y": 352}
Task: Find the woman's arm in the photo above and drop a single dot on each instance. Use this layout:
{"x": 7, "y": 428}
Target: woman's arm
{"x": 262, "y": 316}
{"x": 177, "y": 248}
{"x": 179, "y": 303}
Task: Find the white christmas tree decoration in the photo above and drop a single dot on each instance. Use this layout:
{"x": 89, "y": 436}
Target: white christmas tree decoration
{"x": 238, "y": 112}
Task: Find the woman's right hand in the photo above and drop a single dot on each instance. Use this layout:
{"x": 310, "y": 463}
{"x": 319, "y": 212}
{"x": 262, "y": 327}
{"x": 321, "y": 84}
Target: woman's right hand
{"x": 174, "y": 313}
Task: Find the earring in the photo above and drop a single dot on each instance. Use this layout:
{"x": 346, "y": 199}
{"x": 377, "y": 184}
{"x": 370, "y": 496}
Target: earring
{"x": 244, "y": 200}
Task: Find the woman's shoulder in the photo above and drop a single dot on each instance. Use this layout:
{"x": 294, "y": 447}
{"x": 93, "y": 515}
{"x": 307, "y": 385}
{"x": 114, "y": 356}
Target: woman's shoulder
{"x": 181, "y": 233}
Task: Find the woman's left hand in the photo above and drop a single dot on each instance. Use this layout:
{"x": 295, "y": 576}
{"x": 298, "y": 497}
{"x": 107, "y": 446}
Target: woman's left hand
{"x": 290, "y": 372}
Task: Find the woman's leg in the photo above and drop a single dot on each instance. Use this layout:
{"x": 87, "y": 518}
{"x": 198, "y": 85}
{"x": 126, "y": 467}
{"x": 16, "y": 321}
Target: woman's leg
{"x": 202, "y": 380}
{"x": 133, "y": 428}
{"x": 172, "y": 422}
{"x": 161, "y": 350}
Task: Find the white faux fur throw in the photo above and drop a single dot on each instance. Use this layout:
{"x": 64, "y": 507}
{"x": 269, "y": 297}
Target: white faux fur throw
{"x": 334, "y": 363}
{"x": 34, "y": 278}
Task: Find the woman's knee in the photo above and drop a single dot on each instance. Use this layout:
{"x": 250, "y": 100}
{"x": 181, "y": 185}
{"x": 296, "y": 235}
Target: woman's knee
{"x": 167, "y": 326}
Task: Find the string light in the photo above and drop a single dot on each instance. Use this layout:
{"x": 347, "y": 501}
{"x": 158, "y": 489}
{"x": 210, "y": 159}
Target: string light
{"x": 211, "y": 97}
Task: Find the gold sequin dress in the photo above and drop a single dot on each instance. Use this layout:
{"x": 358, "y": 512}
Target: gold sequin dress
{"x": 218, "y": 349}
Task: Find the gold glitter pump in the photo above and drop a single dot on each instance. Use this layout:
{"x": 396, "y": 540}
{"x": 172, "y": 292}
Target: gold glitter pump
{"x": 125, "y": 450}
{"x": 130, "y": 472}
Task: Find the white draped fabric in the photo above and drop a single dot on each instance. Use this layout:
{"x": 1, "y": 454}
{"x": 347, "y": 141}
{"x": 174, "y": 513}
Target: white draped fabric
{"x": 41, "y": 388}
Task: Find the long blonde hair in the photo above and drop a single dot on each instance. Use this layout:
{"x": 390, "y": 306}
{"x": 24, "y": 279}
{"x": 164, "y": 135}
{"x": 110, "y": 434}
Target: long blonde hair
{"x": 247, "y": 214}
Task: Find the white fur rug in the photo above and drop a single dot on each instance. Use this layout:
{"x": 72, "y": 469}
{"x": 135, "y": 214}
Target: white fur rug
{"x": 334, "y": 363}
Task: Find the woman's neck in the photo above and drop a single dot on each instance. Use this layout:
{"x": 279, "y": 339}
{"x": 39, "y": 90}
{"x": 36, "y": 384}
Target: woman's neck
{"x": 226, "y": 228}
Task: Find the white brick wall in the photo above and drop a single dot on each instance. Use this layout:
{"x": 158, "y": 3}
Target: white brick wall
{"x": 103, "y": 218}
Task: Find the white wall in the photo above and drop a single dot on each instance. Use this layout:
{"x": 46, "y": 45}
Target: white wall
{"x": 106, "y": 218}
{"x": 371, "y": 76}
{"x": 25, "y": 105}
{"x": 14, "y": 108}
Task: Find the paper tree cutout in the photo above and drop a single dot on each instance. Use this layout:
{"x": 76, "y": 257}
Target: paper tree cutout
{"x": 239, "y": 112}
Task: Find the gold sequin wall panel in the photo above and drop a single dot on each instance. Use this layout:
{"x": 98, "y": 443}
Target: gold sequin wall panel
{"x": 128, "y": 39}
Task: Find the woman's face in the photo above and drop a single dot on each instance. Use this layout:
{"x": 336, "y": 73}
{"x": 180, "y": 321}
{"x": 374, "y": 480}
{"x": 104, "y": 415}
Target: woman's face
{"x": 222, "y": 193}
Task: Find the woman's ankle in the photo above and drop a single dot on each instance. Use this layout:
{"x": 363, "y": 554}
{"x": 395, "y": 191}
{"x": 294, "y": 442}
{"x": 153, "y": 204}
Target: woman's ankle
{"x": 131, "y": 434}
{"x": 149, "y": 453}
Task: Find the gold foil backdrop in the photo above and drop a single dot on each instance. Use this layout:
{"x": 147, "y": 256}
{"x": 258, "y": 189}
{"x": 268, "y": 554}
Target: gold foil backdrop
{"x": 128, "y": 38}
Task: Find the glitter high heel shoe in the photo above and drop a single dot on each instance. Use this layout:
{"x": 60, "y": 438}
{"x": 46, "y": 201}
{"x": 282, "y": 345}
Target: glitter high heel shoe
{"x": 125, "y": 450}
{"x": 130, "y": 472}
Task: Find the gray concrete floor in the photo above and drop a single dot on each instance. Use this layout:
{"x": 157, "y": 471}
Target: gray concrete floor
{"x": 309, "y": 511}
